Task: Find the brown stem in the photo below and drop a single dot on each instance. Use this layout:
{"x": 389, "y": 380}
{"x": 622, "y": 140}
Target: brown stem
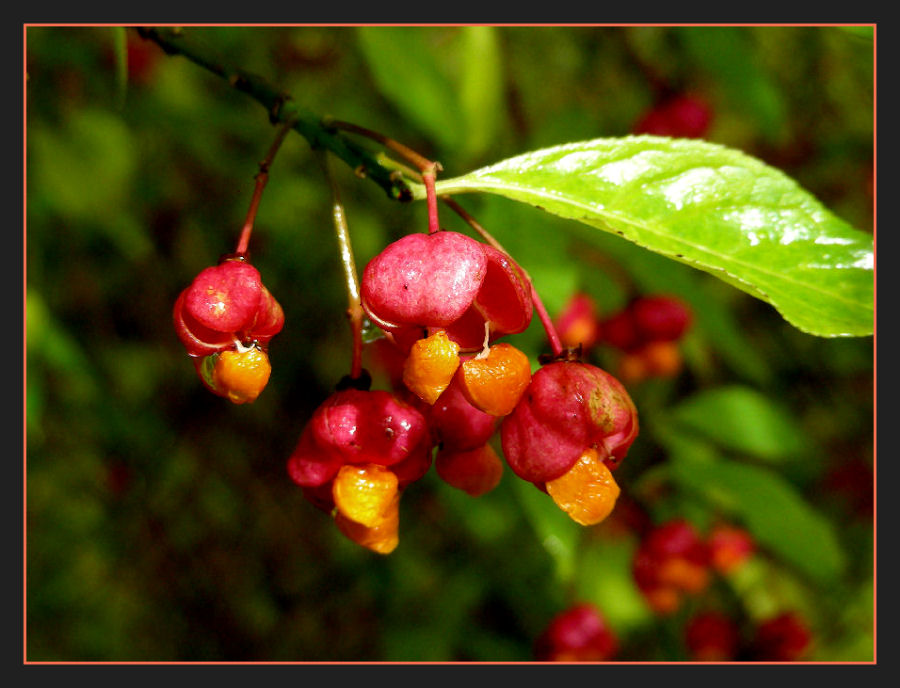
{"x": 262, "y": 177}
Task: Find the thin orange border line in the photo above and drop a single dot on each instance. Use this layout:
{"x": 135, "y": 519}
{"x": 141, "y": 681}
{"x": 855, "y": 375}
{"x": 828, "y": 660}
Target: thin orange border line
{"x": 875, "y": 345}
{"x": 455, "y": 24}
{"x": 24, "y": 343}
{"x": 25, "y": 27}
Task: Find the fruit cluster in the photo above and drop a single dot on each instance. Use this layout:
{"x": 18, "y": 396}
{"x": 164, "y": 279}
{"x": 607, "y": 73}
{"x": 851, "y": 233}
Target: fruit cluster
{"x": 225, "y": 319}
{"x": 674, "y": 560}
{"x": 645, "y": 333}
{"x": 577, "y": 634}
{"x": 443, "y": 299}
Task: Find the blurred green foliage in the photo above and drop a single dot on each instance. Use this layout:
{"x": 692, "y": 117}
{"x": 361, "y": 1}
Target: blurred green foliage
{"x": 161, "y": 524}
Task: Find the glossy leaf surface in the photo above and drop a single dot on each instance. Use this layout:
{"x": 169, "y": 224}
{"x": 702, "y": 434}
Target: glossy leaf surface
{"x": 709, "y": 206}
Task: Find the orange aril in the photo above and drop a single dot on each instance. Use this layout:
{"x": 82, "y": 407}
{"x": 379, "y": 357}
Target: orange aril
{"x": 663, "y": 600}
{"x": 494, "y": 383}
{"x": 475, "y": 472}
{"x": 632, "y": 367}
{"x": 431, "y": 365}
{"x": 683, "y": 574}
{"x": 241, "y": 375}
{"x": 382, "y": 538}
{"x": 587, "y": 492}
{"x": 663, "y": 359}
{"x": 364, "y": 493}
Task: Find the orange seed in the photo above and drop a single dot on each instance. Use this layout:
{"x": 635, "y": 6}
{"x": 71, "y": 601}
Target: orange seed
{"x": 241, "y": 375}
{"x": 431, "y": 365}
{"x": 587, "y": 492}
{"x": 495, "y": 383}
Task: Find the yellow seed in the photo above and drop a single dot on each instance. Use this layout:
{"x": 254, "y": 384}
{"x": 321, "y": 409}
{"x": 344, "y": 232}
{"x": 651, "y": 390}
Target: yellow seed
{"x": 364, "y": 493}
{"x": 382, "y": 538}
{"x": 241, "y": 375}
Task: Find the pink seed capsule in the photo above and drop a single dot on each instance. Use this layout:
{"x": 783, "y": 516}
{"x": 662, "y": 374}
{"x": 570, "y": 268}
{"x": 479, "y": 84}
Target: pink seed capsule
{"x": 428, "y": 280}
{"x": 224, "y": 303}
{"x": 310, "y": 465}
{"x": 225, "y": 297}
{"x": 368, "y": 427}
{"x": 568, "y": 407}
{"x": 456, "y": 424}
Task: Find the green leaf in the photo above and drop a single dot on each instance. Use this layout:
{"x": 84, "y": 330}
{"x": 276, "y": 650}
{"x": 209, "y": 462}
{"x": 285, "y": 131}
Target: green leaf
{"x": 407, "y": 73}
{"x": 481, "y": 93}
{"x": 708, "y": 206}
{"x": 771, "y": 508}
{"x": 605, "y": 577}
{"x": 729, "y": 56}
{"x": 710, "y": 301}
{"x": 743, "y": 420}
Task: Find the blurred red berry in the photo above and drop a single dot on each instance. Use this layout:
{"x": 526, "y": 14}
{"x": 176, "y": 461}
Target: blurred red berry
{"x": 671, "y": 561}
{"x": 682, "y": 116}
{"x": 579, "y": 634}
{"x": 712, "y": 637}
{"x": 618, "y": 330}
{"x": 578, "y": 323}
{"x": 143, "y": 57}
{"x": 783, "y": 638}
{"x": 660, "y": 318}
{"x": 729, "y": 547}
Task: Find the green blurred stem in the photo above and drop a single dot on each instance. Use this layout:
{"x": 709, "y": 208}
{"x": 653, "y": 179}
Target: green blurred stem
{"x": 120, "y": 47}
{"x": 281, "y": 108}
{"x": 342, "y": 232}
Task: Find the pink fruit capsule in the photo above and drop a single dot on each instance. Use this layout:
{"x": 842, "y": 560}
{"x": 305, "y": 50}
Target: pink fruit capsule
{"x": 458, "y": 425}
{"x": 310, "y": 465}
{"x": 423, "y": 279}
{"x": 568, "y": 407}
{"x": 224, "y": 303}
{"x": 225, "y": 297}
{"x": 368, "y": 426}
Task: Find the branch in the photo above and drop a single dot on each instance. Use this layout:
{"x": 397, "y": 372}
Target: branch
{"x": 281, "y": 108}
